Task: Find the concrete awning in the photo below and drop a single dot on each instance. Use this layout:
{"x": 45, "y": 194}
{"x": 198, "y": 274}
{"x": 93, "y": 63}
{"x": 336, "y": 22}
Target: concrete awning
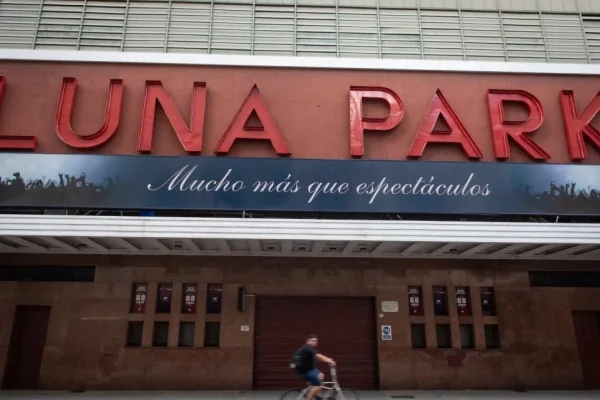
{"x": 52, "y": 234}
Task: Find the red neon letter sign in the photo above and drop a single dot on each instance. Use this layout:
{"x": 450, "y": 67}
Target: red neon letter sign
{"x": 578, "y": 126}
{"x": 190, "y": 138}
{"x": 457, "y": 132}
{"x": 238, "y": 129}
{"x": 516, "y": 130}
{"x": 64, "y": 112}
{"x": 14, "y": 142}
{"x": 359, "y": 123}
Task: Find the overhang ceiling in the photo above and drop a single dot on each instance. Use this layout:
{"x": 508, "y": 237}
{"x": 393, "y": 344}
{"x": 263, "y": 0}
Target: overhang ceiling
{"x": 52, "y": 234}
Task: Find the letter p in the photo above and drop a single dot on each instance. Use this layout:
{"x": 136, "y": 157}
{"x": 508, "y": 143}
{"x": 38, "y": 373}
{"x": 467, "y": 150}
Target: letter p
{"x": 359, "y": 123}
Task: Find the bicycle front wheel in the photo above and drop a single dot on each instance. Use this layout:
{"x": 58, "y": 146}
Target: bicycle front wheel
{"x": 347, "y": 394}
{"x": 293, "y": 394}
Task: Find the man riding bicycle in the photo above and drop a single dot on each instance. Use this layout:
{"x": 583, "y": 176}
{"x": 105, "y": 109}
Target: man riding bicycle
{"x": 304, "y": 360}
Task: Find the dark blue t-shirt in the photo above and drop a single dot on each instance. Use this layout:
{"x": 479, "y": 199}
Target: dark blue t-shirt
{"x": 305, "y": 357}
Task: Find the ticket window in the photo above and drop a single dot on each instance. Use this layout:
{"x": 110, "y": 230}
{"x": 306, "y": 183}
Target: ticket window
{"x": 214, "y": 295}
{"x": 415, "y": 300}
{"x": 488, "y": 301}
{"x": 440, "y": 300}
{"x": 463, "y": 301}
{"x": 163, "y": 298}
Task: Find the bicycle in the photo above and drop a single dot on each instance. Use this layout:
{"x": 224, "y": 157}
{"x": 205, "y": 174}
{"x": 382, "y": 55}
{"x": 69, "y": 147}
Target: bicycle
{"x": 331, "y": 390}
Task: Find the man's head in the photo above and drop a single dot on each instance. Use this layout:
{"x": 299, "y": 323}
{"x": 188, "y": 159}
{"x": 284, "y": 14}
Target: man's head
{"x": 312, "y": 340}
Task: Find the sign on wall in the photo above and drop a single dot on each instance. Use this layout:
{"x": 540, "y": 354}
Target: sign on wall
{"x": 386, "y": 332}
{"x": 265, "y": 184}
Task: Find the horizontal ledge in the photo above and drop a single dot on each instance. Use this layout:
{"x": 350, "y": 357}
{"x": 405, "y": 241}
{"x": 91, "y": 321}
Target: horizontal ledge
{"x": 308, "y": 254}
{"x": 298, "y": 62}
{"x": 298, "y": 229}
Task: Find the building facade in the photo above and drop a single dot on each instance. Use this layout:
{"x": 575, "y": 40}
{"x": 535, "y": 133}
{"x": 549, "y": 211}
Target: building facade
{"x": 189, "y": 188}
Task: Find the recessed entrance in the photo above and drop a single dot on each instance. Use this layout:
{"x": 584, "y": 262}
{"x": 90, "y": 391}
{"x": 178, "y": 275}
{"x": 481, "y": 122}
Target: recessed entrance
{"x": 346, "y": 331}
{"x": 26, "y": 348}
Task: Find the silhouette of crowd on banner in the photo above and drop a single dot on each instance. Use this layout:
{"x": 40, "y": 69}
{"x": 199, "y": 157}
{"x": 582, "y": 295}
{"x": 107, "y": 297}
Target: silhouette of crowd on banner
{"x": 65, "y": 190}
{"x": 71, "y": 191}
{"x": 566, "y": 197}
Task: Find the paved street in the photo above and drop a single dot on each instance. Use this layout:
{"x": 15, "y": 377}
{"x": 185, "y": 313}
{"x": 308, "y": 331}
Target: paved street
{"x": 274, "y": 395}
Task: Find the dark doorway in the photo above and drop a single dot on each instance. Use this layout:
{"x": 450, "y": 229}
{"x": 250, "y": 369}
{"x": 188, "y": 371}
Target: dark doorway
{"x": 27, "y": 341}
{"x": 346, "y": 329}
{"x": 587, "y": 332}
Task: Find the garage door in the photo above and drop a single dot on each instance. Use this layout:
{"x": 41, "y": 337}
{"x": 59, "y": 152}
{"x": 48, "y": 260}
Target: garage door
{"x": 346, "y": 331}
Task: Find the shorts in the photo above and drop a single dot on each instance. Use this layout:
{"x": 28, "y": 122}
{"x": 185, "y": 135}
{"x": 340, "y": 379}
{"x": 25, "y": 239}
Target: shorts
{"x": 312, "y": 377}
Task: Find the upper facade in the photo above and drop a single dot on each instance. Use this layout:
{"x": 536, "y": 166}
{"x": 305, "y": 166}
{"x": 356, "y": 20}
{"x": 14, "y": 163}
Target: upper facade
{"x": 547, "y": 31}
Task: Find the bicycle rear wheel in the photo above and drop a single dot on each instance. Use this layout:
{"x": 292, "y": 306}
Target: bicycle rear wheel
{"x": 292, "y": 394}
{"x": 347, "y": 394}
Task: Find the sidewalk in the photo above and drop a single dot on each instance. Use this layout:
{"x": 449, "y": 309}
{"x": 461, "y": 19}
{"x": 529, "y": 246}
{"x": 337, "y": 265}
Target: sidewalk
{"x": 274, "y": 395}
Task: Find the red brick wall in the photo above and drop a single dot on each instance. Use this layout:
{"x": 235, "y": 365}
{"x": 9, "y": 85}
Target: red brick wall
{"x": 85, "y": 344}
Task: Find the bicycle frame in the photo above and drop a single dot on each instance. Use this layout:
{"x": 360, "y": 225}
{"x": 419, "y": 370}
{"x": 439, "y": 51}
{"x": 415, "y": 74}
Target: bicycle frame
{"x": 329, "y": 388}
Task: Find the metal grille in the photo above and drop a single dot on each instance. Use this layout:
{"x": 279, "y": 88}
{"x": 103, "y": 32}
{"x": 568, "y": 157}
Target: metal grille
{"x": 295, "y": 28}
{"x": 492, "y": 336}
{"x": 467, "y": 336}
{"x": 186, "y": 334}
{"x": 134, "y": 333}
{"x": 417, "y": 336}
{"x": 212, "y": 334}
{"x": 444, "y": 338}
{"x": 160, "y": 336}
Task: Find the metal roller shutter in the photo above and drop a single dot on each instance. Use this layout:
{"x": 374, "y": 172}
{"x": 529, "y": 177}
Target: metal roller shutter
{"x": 346, "y": 330}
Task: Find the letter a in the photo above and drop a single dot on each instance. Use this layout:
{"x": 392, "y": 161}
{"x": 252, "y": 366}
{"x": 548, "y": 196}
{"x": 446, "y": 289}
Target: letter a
{"x": 238, "y": 129}
{"x": 457, "y": 132}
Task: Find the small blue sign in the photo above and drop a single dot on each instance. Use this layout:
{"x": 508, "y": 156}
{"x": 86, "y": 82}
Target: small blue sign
{"x": 386, "y": 332}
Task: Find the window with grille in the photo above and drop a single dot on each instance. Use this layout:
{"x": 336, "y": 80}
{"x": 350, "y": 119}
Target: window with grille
{"x": 400, "y": 33}
{"x": 161, "y": 334}
{"x": 134, "y": 333}
{"x": 591, "y": 29}
{"x": 444, "y": 338}
{"x": 232, "y": 28}
{"x": 488, "y": 301}
{"x": 214, "y": 293}
{"x": 186, "y": 334}
{"x": 467, "y": 336}
{"x": 274, "y": 30}
{"x": 163, "y": 298}
{"x": 440, "y": 300}
{"x": 441, "y": 32}
{"x": 417, "y": 336}
{"x": 212, "y": 334}
{"x": 492, "y": 336}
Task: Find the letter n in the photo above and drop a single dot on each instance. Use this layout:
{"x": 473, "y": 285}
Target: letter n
{"x": 14, "y": 142}
{"x": 579, "y": 125}
{"x": 238, "y": 129}
{"x": 457, "y": 132}
{"x": 190, "y": 138}
{"x": 64, "y": 113}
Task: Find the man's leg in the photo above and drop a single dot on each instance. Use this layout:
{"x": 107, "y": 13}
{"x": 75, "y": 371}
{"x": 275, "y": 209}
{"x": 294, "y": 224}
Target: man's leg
{"x": 315, "y": 377}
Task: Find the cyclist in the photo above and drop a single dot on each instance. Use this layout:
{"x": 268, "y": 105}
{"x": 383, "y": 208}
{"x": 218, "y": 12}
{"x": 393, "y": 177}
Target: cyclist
{"x": 304, "y": 360}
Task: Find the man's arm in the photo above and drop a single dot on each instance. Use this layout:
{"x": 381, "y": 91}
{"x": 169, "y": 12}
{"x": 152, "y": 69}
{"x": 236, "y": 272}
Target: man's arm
{"x": 324, "y": 359}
